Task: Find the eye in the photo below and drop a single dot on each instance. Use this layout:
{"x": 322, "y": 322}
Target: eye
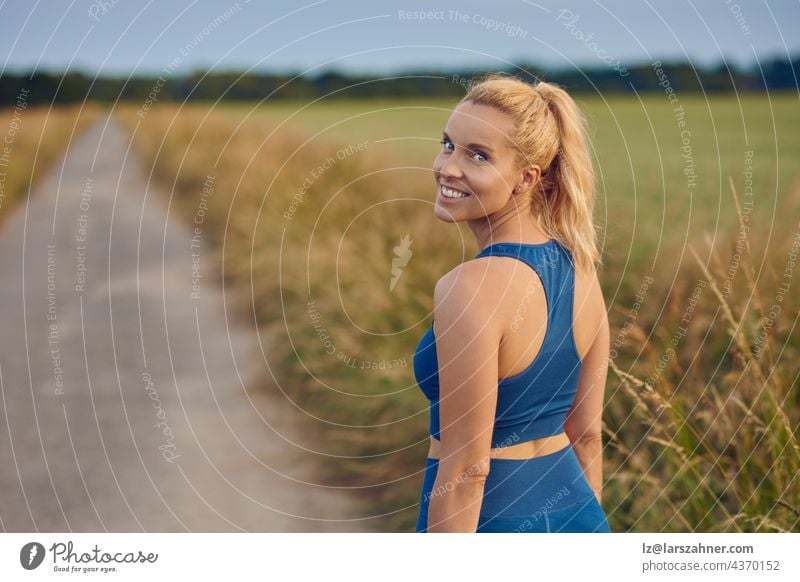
{"x": 446, "y": 142}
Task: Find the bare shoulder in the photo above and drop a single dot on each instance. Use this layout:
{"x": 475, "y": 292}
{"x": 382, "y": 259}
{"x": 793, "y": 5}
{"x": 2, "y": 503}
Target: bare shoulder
{"x": 467, "y": 290}
{"x": 482, "y": 277}
{"x": 461, "y": 285}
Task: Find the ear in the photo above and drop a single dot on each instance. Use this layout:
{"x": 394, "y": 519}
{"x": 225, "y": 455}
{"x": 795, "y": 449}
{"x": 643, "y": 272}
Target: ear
{"x": 529, "y": 179}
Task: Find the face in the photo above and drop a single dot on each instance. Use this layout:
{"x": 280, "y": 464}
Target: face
{"x": 478, "y": 161}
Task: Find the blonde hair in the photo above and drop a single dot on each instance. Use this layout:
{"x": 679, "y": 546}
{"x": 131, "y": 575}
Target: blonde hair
{"x": 550, "y": 131}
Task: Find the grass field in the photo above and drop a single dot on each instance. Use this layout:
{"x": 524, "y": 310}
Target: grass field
{"x": 309, "y": 202}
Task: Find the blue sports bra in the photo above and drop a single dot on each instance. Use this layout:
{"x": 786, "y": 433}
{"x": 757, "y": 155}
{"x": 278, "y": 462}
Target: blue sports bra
{"x": 534, "y": 402}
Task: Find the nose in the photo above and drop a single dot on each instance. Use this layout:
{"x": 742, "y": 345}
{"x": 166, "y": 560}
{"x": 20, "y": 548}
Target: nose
{"x": 450, "y": 169}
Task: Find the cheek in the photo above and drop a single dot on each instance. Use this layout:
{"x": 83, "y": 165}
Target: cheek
{"x": 490, "y": 184}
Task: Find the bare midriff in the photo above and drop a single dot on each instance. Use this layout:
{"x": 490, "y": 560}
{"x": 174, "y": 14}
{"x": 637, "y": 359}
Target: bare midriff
{"x": 519, "y": 451}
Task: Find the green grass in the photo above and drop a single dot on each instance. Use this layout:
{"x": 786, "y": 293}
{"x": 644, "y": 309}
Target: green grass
{"x": 637, "y": 144}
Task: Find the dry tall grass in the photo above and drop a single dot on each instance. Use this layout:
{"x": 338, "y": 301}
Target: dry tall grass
{"x": 34, "y": 138}
{"x": 701, "y": 438}
{"x": 711, "y": 444}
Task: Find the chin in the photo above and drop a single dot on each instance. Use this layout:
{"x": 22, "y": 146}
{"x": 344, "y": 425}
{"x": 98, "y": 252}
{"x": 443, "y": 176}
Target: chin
{"x": 445, "y": 216}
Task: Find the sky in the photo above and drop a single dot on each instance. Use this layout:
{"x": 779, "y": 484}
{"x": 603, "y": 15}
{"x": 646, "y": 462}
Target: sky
{"x": 129, "y": 38}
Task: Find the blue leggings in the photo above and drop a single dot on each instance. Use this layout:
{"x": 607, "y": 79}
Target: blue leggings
{"x": 544, "y": 494}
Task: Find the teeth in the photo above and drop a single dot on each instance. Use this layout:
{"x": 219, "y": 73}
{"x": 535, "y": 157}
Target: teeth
{"x": 453, "y": 193}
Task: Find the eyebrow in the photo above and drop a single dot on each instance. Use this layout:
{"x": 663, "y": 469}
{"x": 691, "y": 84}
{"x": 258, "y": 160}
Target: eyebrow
{"x": 471, "y": 146}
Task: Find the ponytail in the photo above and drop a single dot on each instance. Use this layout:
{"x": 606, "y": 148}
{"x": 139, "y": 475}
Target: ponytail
{"x": 568, "y": 185}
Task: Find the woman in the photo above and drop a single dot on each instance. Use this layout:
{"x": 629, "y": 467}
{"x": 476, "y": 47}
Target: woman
{"x": 516, "y": 389}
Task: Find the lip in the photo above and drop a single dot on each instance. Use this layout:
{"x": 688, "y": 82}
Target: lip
{"x": 444, "y": 198}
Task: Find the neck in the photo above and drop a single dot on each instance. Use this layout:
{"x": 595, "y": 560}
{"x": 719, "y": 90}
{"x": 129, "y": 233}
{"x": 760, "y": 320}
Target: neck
{"x": 514, "y": 223}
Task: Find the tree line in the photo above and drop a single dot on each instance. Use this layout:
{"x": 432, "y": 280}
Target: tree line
{"x": 54, "y": 87}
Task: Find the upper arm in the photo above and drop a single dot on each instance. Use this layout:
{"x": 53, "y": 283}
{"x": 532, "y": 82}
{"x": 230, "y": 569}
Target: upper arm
{"x": 584, "y": 420}
{"x": 467, "y": 342}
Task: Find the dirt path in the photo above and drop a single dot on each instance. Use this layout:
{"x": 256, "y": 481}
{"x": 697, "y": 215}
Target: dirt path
{"x": 124, "y": 397}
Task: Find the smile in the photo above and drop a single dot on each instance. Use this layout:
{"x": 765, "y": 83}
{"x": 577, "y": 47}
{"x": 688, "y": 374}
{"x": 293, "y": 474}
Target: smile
{"x": 450, "y": 193}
